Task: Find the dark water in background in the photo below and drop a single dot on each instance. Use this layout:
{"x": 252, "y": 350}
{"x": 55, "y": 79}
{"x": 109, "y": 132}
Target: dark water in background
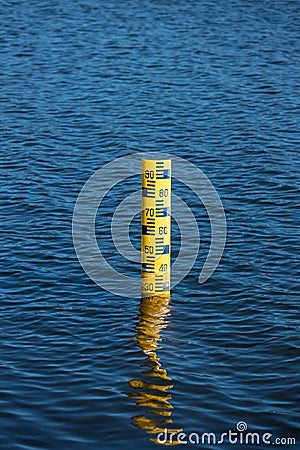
{"x": 82, "y": 83}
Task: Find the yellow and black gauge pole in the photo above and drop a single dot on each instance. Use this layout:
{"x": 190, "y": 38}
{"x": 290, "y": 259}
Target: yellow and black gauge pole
{"x": 156, "y": 228}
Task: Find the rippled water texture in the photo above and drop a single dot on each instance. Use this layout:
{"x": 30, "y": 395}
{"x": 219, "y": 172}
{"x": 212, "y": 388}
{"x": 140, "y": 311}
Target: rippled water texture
{"x": 85, "y": 82}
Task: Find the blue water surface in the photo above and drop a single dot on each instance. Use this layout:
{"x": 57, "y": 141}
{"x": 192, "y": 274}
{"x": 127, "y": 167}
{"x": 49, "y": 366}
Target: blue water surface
{"x": 83, "y": 83}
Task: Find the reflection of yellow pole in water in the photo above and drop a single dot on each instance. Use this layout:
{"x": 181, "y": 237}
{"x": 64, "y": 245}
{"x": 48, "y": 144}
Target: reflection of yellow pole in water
{"x": 152, "y": 392}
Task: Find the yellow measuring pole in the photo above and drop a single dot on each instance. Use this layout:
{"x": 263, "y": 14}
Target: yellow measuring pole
{"x": 156, "y": 227}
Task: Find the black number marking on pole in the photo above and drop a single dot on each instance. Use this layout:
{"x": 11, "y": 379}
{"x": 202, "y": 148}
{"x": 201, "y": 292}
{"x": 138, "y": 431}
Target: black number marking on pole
{"x": 148, "y": 286}
{"x": 163, "y": 192}
{"x": 163, "y": 230}
{"x": 150, "y": 212}
{"x": 149, "y": 249}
